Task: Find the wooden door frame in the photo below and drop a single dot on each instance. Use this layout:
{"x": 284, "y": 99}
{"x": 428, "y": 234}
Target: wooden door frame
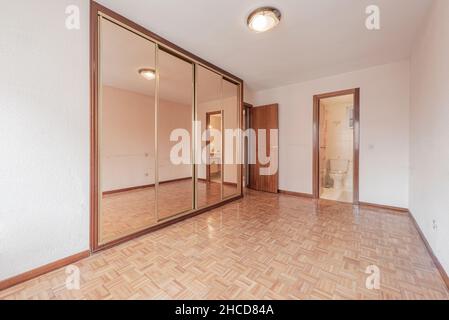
{"x": 208, "y": 115}
{"x": 246, "y": 144}
{"x": 316, "y": 140}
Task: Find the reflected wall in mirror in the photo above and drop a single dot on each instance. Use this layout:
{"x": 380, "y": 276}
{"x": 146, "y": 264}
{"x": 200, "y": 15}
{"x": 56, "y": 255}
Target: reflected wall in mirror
{"x": 210, "y": 114}
{"x": 231, "y": 167}
{"x": 126, "y": 133}
{"x": 175, "y": 112}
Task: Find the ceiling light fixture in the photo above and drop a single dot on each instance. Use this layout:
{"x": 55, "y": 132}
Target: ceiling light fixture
{"x": 148, "y": 74}
{"x": 264, "y": 19}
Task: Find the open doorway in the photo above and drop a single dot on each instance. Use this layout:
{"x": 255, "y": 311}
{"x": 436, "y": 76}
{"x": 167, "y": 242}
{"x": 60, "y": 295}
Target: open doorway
{"x": 336, "y": 146}
{"x": 214, "y": 167}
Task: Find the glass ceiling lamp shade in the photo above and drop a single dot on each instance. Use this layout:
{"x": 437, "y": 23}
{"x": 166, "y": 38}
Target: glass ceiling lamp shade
{"x": 148, "y": 74}
{"x": 264, "y": 19}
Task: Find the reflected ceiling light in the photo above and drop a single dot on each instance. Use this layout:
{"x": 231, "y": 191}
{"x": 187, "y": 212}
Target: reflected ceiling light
{"x": 148, "y": 74}
{"x": 264, "y": 19}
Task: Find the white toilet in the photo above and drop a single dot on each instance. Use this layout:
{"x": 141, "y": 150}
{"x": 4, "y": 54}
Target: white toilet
{"x": 338, "y": 171}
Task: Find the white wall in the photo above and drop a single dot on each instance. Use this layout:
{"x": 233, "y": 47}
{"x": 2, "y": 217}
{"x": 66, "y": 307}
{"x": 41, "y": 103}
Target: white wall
{"x": 172, "y": 116}
{"x": 429, "y": 174}
{"x": 248, "y": 94}
{"x": 44, "y": 130}
{"x": 127, "y": 145}
{"x": 384, "y": 149}
{"x": 127, "y": 139}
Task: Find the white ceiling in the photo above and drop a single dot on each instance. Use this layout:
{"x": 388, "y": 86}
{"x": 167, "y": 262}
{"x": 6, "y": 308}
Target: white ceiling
{"x": 124, "y": 53}
{"x": 316, "y": 38}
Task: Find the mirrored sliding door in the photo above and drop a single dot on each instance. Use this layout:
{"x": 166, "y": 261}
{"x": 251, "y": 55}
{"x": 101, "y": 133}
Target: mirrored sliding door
{"x": 174, "y": 130}
{"x": 231, "y": 166}
{"x": 209, "y": 115}
{"x": 126, "y": 133}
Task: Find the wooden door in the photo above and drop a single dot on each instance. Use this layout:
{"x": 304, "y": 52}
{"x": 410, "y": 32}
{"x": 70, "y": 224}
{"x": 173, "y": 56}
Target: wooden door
{"x": 265, "y": 117}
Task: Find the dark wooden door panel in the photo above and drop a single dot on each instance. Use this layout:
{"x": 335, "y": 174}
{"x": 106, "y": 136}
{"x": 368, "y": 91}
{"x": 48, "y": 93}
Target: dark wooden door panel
{"x": 265, "y": 117}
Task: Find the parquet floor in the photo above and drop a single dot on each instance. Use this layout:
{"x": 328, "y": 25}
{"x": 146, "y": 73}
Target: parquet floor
{"x": 262, "y": 247}
{"x": 128, "y": 212}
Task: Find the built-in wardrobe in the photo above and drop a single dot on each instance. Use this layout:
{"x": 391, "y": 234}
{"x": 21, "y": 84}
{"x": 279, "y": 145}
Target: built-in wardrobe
{"x": 165, "y": 138}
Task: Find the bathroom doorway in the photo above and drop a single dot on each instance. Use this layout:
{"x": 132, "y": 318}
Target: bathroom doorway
{"x": 336, "y": 146}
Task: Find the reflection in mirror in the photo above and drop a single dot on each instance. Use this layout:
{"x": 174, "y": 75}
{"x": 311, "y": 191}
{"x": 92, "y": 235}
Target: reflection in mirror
{"x": 126, "y": 133}
{"x": 213, "y": 146}
{"x": 175, "y": 112}
{"x": 231, "y": 167}
{"x": 210, "y": 114}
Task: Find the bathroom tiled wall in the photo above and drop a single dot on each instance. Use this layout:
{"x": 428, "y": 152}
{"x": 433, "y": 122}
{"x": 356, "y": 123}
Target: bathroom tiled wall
{"x": 337, "y": 134}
